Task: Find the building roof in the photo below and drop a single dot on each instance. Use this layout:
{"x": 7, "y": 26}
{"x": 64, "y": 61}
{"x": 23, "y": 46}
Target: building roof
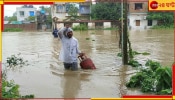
{"x": 16, "y": 22}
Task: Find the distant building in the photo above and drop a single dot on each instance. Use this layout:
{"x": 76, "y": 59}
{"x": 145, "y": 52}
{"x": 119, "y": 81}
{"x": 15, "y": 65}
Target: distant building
{"x": 25, "y": 11}
{"x": 60, "y": 10}
{"x": 137, "y": 13}
{"x": 6, "y": 22}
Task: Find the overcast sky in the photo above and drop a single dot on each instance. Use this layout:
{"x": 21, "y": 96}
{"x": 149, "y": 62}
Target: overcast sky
{"x": 10, "y": 9}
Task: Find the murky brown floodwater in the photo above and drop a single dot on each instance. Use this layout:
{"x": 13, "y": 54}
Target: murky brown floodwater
{"x": 46, "y": 78}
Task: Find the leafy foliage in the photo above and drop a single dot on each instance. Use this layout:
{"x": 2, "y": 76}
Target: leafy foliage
{"x": 13, "y": 30}
{"x": 14, "y": 61}
{"x": 171, "y": 26}
{"x": 73, "y": 11}
{"x": 166, "y": 18}
{"x": 9, "y": 88}
{"x": 135, "y": 81}
{"x": 154, "y": 78}
{"x": 153, "y": 65}
{"x": 80, "y": 27}
{"x": 106, "y": 11}
{"x": 12, "y": 18}
{"x": 134, "y": 63}
{"x": 164, "y": 78}
{"x": 31, "y": 18}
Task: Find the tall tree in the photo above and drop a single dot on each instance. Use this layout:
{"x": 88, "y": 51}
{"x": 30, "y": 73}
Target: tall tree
{"x": 106, "y": 11}
{"x": 6, "y": 18}
{"x": 13, "y": 18}
{"x": 73, "y": 11}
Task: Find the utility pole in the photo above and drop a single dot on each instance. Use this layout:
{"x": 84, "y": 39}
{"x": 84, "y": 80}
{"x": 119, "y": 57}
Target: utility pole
{"x": 124, "y": 34}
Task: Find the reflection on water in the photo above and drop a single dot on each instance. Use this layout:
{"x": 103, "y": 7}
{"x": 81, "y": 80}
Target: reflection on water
{"x": 46, "y": 78}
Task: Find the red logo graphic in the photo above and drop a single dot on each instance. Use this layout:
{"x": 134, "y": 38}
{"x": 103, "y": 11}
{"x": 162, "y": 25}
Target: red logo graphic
{"x": 154, "y": 5}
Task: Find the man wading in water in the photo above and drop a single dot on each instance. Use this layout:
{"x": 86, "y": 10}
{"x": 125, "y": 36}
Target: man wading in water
{"x": 69, "y": 49}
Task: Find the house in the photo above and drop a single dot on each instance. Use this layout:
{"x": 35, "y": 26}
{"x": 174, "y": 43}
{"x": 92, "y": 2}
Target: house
{"x": 6, "y": 22}
{"x": 85, "y": 10}
{"x": 60, "y": 10}
{"x": 137, "y": 13}
{"x": 25, "y": 11}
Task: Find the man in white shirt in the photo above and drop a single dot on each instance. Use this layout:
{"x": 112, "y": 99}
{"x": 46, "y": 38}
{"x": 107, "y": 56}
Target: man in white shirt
{"x": 69, "y": 49}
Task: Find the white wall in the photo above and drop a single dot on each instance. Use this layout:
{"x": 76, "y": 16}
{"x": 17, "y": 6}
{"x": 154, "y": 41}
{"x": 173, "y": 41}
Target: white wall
{"x": 153, "y": 23}
{"x": 143, "y": 22}
{"x": 107, "y": 24}
{"x": 132, "y": 21}
{"x": 61, "y": 16}
{"x": 26, "y": 13}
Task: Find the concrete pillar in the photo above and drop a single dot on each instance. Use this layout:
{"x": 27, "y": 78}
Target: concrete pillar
{"x": 107, "y": 24}
{"x": 75, "y": 24}
{"x": 91, "y": 25}
{"x": 60, "y": 25}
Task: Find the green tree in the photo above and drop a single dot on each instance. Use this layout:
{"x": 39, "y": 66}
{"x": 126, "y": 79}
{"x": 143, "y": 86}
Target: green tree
{"x": 73, "y": 11}
{"x": 106, "y": 11}
{"x": 13, "y": 18}
{"x": 6, "y": 18}
{"x": 31, "y": 18}
{"x": 166, "y": 18}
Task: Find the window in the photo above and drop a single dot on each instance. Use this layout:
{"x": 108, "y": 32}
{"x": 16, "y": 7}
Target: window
{"x": 21, "y": 13}
{"x": 150, "y": 22}
{"x": 31, "y": 13}
{"x": 138, "y": 6}
{"x": 84, "y": 10}
{"x": 137, "y": 22}
{"x": 60, "y": 8}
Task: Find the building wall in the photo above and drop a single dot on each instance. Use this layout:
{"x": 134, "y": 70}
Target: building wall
{"x": 133, "y": 10}
{"x": 143, "y": 22}
{"x": 138, "y": 14}
{"x": 84, "y": 11}
{"x": 26, "y": 13}
{"x": 25, "y": 27}
{"x": 59, "y": 14}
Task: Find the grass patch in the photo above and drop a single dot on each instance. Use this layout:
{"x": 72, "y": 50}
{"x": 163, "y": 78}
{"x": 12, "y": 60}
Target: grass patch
{"x": 80, "y": 27}
{"x": 13, "y": 30}
{"x": 163, "y": 26}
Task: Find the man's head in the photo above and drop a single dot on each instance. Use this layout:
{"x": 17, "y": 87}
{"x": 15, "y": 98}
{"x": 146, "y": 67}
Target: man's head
{"x": 69, "y": 33}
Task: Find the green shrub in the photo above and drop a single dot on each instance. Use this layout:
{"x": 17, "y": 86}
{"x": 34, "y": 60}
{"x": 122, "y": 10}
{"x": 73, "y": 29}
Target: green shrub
{"x": 163, "y": 26}
{"x": 13, "y": 30}
{"x": 9, "y": 88}
{"x": 154, "y": 78}
{"x": 153, "y": 65}
{"x": 134, "y": 63}
{"x": 80, "y": 27}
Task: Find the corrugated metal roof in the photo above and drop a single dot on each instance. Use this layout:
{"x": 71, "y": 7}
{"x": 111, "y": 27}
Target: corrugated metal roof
{"x": 16, "y": 22}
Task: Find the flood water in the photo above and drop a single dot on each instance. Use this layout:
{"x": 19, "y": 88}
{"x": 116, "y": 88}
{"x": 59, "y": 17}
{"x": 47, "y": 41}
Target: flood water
{"x": 45, "y": 76}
